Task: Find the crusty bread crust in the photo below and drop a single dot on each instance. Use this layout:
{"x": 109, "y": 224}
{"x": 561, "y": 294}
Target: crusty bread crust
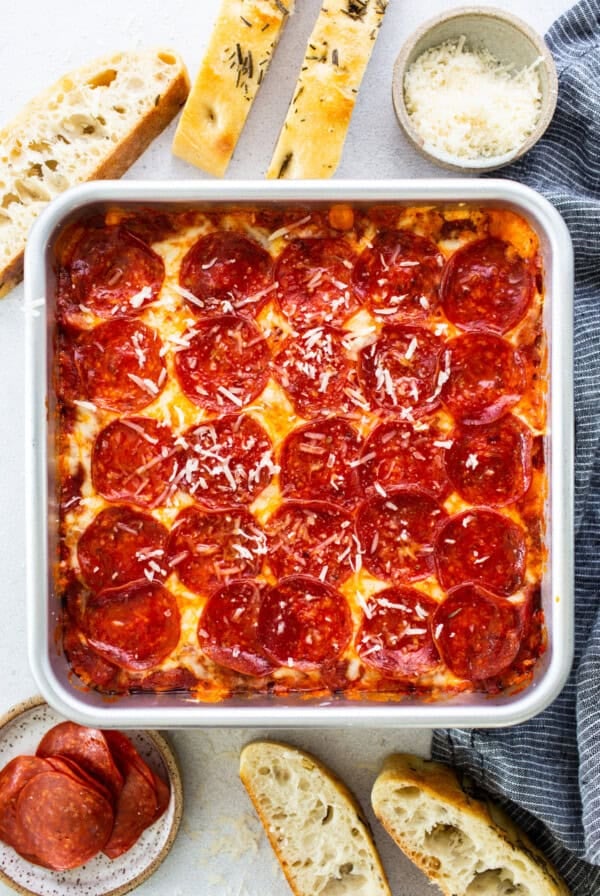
{"x": 315, "y": 825}
{"x": 242, "y": 43}
{"x": 467, "y": 846}
{"x": 312, "y": 138}
{"x": 91, "y": 124}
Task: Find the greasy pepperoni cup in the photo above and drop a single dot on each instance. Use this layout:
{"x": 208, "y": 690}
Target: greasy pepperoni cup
{"x": 120, "y": 546}
{"x": 484, "y": 547}
{"x": 120, "y": 366}
{"x": 397, "y": 534}
{"x": 227, "y": 461}
{"x": 110, "y": 272}
{"x": 399, "y": 276}
{"x": 226, "y": 271}
{"x": 401, "y": 370}
{"x": 315, "y": 281}
{"x": 487, "y": 376}
{"x": 314, "y": 538}
{"x": 487, "y": 286}
{"x": 225, "y": 364}
{"x": 491, "y": 464}
{"x": 228, "y": 629}
{"x": 317, "y": 373}
{"x": 319, "y": 461}
{"x": 395, "y": 635}
{"x": 304, "y": 623}
{"x": 208, "y": 548}
{"x": 135, "y": 627}
{"x": 398, "y": 454}
{"x": 477, "y": 634}
{"x": 135, "y": 459}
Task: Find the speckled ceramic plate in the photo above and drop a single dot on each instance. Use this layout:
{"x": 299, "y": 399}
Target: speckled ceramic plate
{"x": 21, "y": 730}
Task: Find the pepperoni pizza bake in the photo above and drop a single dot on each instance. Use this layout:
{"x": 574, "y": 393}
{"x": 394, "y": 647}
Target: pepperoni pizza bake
{"x": 301, "y": 450}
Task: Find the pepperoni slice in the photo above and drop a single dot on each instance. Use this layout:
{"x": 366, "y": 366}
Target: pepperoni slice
{"x": 398, "y": 454}
{"x": 311, "y": 537}
{"x": 135, "y": 811}
{"x": 226, "y": 271}
{"x": 135, "y": 459}
{"x": 87, "y": 747}
{"x": 13, "y": 778}
{"x": 319, "y": 461}
{"x": 135, "y": 627}
{"x": 484, "y": 547}
{"x": 491, "y": 464}
{"x": 120, "y": 366}
{"x": 395, "y": 635}
{"x": 227, "y": 630}
{"x": 110, "y": 272}
{"x": 397, "y": 534}
{"x": 304, "y": 623}
{"x": 227, "y": 461}
{"x": 315, "y": 281}
{"x": 487, "y": 286}
{"x": 315, "y": 370}
{"x": 121, "y": 546}
{"x": 65, "y": 823}
{"x": 207, "y": 548}
{"x": 91, "y": 668}
{"x": 477, "y": 634}
{"x": 401, "y": 370}
{"x": 399, "y": 276}
{"x": 486, "y": 377}
{"x": 225, "y": 365}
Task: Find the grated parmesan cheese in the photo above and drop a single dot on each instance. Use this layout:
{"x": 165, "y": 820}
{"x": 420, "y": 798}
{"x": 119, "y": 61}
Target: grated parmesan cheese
{"x": 467, "y": 104}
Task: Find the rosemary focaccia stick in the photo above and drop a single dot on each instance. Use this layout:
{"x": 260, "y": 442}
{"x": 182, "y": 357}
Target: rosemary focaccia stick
{"x": 312, "y": 138}
{"x": 241, "y": 46}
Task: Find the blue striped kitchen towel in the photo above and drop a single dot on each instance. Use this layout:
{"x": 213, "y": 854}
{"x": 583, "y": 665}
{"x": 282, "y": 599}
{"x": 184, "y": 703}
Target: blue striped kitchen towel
{"x": 547, "y": 771}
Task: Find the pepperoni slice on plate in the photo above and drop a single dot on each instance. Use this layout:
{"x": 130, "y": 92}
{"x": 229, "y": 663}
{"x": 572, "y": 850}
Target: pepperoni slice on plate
{"x": 398, "y": 454}
{"x": 88, "y": 748}
{"x": 135, "y": 811}
{"x": 315, "y": 281}
{"x": 227, "y": 461}
{"x": 135, "y": 459}
{"x": 227, "y": 630}
{"x": 397, "y": 534}
{"x": 304, "y": 623}
{"x": 225, "y": 364}
{"x": 487, "y": 286}
{"x": 110, "y": 272}
{"x": 311, "y": 537}
{"x": 120, "y": 366}
{"x": 320, "y": 461}
{"x": 477, "y": 634}
{"x": 395, "y": 635}
{"x": 484, "y": 547}
{"x": 399, "y": 276}
{"x": 486, "y": 377}
{"x": 135, "y": 627}
{"x": 208, "y": 548}
{"x": 317, "y": 374}
{"x": 65, "y": 822}
{"x": 226, "y": 271}
{"x": 401, "y": 372}
{"x": 491, "y": 464}
{"x": 121, "y": 546}
{"x": 13, "y": 777}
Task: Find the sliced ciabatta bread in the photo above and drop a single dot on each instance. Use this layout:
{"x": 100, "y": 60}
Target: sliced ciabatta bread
{"x": 467, "y": 846}
{"x": 314, "y": 823}
{"x": 93, "y": 123}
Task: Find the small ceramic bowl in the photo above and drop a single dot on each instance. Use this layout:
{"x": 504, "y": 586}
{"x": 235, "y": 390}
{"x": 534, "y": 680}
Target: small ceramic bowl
{"x": 509, "y": 40}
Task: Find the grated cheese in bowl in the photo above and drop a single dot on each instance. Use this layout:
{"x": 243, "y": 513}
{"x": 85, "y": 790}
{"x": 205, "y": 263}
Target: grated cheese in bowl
{"x": 466, "y": 104}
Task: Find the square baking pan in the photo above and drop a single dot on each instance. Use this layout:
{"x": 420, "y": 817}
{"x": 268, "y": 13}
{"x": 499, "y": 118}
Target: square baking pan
{"x": 173, "y": 710}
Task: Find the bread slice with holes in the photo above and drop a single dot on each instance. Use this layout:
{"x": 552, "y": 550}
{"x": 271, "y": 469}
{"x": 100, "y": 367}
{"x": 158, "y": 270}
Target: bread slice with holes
{"x": 93, "y": 123}
{"x": 313, "y": 822}
{"x": 242, "y": 43}
{"x": 468, "y": 846}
